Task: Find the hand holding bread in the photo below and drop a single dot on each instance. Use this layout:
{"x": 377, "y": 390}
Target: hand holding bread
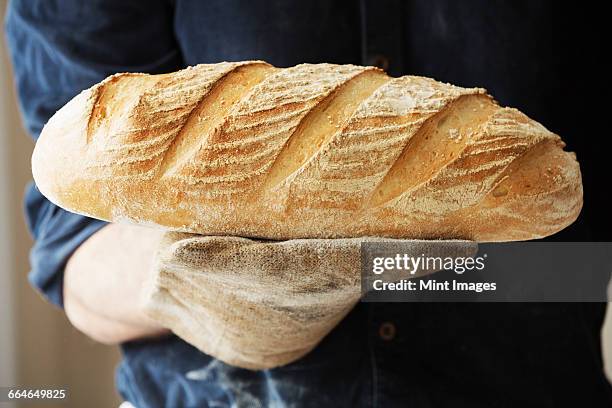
{"x": 260, "y": 304}
{"x": 319, "y": 152}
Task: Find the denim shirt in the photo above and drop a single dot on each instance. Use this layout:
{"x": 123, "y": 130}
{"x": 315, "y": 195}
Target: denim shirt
{"x": 381, "y": 355}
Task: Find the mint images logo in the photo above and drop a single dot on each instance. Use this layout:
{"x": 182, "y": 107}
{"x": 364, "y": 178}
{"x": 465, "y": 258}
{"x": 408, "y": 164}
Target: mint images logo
{"x": 458, "y": 271}
{"x": 417, "y": 264}
{"x": 399, "y": 269}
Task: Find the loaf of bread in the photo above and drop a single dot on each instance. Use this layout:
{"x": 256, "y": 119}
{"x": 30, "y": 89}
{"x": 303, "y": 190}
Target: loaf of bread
{"x": 311, "y": 151}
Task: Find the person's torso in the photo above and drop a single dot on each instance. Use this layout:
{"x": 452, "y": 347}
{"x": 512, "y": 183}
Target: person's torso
{"x": 441, "y": 354}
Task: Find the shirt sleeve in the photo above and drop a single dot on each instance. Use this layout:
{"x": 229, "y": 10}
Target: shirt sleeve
{"x": 58, "y": 48}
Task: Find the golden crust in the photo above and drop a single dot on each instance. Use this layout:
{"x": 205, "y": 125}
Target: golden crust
{"x": 311, "y": 151}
